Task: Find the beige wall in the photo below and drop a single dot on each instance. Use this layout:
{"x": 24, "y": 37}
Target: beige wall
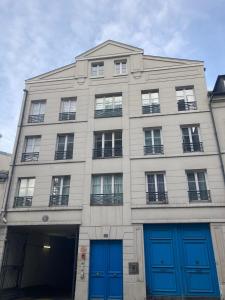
{"x": 144, "y": 72}
{"x": 5, "y": 159}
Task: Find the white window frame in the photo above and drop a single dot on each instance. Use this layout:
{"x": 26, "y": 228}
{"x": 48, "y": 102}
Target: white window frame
{"x": 104, "y": 101}
{"x": 34, "y": 139}
{"x": 120, "y": 63}
{"x": 68, "y": 99}
{"x": 152, "y": 135}
{"x": 155, "y": 180}
{"x": 39, "y": 103}
{"x": 98, "y": 65}
{"x": 62, "y": 177}
{"x": 189, "y": 127}
{"x": 27, "y": 186}
{"x": 102, "y": 181}
{"x": 184, "y": 90}
{"x": 103, "y": 138}
{"x": 196, "y": 178}
{"x": 150, "y": 100}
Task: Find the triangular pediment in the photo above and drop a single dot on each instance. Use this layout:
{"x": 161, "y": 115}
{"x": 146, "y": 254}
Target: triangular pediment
{"x": 109, "y": 49}
{"x": 152, "y": 62}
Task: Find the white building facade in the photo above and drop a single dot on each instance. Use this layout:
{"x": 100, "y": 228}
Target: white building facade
{"x": 116, "y": 183}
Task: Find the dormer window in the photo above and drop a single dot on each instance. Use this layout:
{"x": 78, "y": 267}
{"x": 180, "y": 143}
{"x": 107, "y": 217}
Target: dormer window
{"x": 97, "y": 69}
{"x": 120, "y": 67}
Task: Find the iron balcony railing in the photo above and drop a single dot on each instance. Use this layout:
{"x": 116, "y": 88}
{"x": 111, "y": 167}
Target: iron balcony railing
{"x": 23, "y": 201}
{"x": 193, "y": 147}
{"x": 203, "y": 195}
{"x": 30, "y": 156}
{"x": 66, "y": 116}
{"x": 186, "y": 105}
{"x": 107, "y": 199}
{"x": 154, "y": 149}
{"x": 107, "y": 152}
{"x": 108, "y": 113}
{"x": 63, "y": 155}
{"x": 151, "y": 109}
{"x": 58, "y": 200}
{"x": 157, "y": 198}
{"x": 36, "y": 118}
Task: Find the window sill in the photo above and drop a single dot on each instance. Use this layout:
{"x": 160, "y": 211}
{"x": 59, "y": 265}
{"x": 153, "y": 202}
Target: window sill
{"x": 124, "y": 74}
{"x": 44, "y": 208}
{"x": 97, "y": 77}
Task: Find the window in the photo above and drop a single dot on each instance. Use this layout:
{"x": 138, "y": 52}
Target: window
{"x": 107, "y": 144}
{"x": 68, "y": 109}
{"x": 64, "y": 146}
{"x": 186, "y": 98}
{"x": 37, "y": 111}
{"x": 191, "y": 139}
{"x": 197, "y": 186}
{"x": 107, "y": 189}
{"x": 153, "y": 143}
{"x": 25, "y": 192}
{"x": 156, "y": 188}
{"x": 150, "y": 102}
{"x": 108, "y": 106}
{"x": 97, "y": 69}
{"x": 120, "y": 67}
{"x": 60, "y": 191}
{"x": 31, "y": 148}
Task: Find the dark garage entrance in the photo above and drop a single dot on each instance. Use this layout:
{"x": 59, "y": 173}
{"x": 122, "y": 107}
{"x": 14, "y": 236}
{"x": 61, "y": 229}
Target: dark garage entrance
{"x": 39, "y": 262}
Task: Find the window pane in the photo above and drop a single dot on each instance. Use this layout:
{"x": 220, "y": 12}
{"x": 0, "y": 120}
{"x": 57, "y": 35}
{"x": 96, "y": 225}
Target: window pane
{"x": 96, "y": 185}
{"x": 99, "y": 103}
{"x": 191, "y": 182}
{"x": 118, "y": 101}
{"x": 201, "y": 181}
{"x": 35, "y": 108}
{"x": 109, "y": 103}
{"x": 151, "y": 183}
{"x": 118, "y": 184}
{"x": 107, "y": 184}
{"x": 160, "y": 183}
{"x": 148, "y": 138}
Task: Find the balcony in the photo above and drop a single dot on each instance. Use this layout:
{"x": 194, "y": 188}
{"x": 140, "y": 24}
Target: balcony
{"x": 59, "y": 200}
{"x": 157, "y": 198}
{"x": 36, "y": 118}
{"x": 151, "y": 109}
{"x": 203, "y": 195}
{"x": 108, "y": 113}
{"x": 25, "y": 201}
{"x": 107, "y": 199}
{"x": 30, "y": 156}
{"x": 186, "y": 105}
{"x": 154, "y": 149}
{"x": 60, "y": 155}
{"x": 66, "y": 116}
{"x": 107, "y": 152}
{"x": 193, "y": 147}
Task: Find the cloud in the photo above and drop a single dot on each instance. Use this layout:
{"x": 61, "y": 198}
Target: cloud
{"x": 37, "y": 36}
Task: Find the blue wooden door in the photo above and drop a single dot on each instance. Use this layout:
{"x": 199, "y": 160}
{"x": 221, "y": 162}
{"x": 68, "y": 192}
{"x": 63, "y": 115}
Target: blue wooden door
{"x": 179, "y": 261}
{"x": 106, "y": 270}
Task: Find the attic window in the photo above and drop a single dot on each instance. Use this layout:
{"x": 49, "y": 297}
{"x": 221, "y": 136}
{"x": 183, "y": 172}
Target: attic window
{"x": 97, "y": 69}
{"x": 120, "y": 66}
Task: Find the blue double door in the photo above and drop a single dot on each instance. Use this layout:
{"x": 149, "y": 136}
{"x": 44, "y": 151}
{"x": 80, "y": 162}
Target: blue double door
{"x": 106, "y": 270}
{"x": 179, "y": 261}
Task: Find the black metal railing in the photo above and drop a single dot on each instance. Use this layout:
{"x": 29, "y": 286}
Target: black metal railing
{"x": 108, "y": 113}
{"x": 30, "y": 156}
{"x": 107, "y": 152}
{"x": 155, "y": 198}
{"x": 58, "y": 200}
{"x": 193, "y": 147}
{"x": 107, "y": 199}
{"x": 63, "y": 155}
{"x": 203, "y": 195}
{"x": 66, "y": 116}
{"x": 23, "y": 201}
{"x": 154, "y": 149}
{"x": 36, "y": 118}
{"x": 186, "y": 105}
{"x": 151, "y": 109}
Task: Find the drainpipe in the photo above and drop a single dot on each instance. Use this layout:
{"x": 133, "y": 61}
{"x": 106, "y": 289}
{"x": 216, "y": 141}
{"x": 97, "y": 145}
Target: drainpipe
{"x": 8, "y": 188}
{"x": 217, "y": 139}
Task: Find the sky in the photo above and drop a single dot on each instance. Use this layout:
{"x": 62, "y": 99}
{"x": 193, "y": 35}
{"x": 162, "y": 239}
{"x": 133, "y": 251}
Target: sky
{"x": 37, "y": 36}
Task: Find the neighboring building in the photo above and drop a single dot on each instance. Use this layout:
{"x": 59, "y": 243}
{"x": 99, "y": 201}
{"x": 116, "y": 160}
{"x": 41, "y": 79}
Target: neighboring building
{"x": 5, "y": 159}
{"x": 117, "y": 190}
